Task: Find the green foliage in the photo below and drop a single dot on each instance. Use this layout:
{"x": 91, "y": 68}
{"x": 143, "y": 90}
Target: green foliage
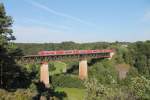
{"x": 140, "y": 53}
{"x": 72, "y": 67}
{"x": 95, "y": 90}
{"x": 72, "y": 93}
{"x": 138, "y": 89}
{"x": 20, "y": 94}
{"x": 104, "y": 71}
{"x": 57, "y": 68}
{"x": 10, "y": 72}
{"x": 140, "y": 86}
{"x": 98, "y": 91}
{"x": 120, "y": 51}
{"x": 5, "y": 24}
{"x": 66, "y": 81}
{"x": 32, "y": 67}
{"x": 51, "y": 67}
{"x": 132, "y": 73}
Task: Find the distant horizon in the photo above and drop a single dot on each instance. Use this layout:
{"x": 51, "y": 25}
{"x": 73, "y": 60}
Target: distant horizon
{"x": 40, "y": 21}
{"x": 85, "y": 42}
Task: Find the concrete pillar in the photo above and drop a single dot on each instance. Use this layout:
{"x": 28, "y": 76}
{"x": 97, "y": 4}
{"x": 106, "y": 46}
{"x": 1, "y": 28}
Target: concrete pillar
{"x": 111, "y": 55}
{"x": 83, "y": 69}
{"x": 44, "y": 74}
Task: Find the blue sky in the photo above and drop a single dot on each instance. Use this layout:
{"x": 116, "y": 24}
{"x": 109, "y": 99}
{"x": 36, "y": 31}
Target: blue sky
{"x": 79, "y": 20}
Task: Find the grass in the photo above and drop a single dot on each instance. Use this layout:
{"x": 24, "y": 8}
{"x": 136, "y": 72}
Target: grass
{"x": 60, "y": 68}
{"x": 72, "y": 93}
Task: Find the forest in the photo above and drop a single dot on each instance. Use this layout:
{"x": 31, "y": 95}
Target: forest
{"x": 125, "y": 77}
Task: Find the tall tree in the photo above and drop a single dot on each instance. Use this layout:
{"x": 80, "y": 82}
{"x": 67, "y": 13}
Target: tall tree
{"x": 9, "y": 71}
{"x": 5, "y": 36}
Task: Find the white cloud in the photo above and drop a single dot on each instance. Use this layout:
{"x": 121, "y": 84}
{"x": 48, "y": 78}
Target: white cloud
{"x": 49, "y": 10}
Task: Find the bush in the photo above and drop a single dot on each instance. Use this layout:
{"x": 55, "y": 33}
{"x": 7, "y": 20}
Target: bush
{"x": 104, "y": 72}
{"x": 20, "y": 94}
{"x": 66, "y": 81}
{"x": 140, "y": 86}
{"x": 95, "y": 90}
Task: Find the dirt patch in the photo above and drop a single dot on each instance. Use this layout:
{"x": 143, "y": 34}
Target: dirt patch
{"x": 122, "y": 70}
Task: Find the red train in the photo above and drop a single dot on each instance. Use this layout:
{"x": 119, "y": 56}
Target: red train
{"x": 69, "y": 52}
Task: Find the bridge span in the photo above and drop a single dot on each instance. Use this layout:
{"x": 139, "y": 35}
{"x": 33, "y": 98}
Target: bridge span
{"x": 82, "y": 56}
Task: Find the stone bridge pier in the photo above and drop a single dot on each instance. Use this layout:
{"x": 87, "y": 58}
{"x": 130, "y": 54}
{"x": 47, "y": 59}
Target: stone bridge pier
{"x": 83, "y": 71}
{"x": 44, "y": 74}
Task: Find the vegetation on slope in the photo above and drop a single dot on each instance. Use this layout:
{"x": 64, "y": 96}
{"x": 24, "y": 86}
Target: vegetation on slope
{"x": 72, "y": 93}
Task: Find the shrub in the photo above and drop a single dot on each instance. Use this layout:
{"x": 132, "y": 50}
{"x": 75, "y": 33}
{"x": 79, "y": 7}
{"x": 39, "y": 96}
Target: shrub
{"x": 20, "y": 94}
{"x": 104, "y": 72}
{"x": 95, "y": 90}
{"x": 140, "y": 86}
{"x": 66, "y": 81}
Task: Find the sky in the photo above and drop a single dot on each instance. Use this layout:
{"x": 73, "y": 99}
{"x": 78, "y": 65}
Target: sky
{"x": 44, "y": 21}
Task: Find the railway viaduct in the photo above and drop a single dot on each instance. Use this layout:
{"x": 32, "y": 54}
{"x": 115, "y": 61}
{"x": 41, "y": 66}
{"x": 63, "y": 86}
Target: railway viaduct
{"x": 81, "y": 56}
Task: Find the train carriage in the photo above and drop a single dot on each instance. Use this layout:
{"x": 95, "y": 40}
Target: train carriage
{"x": 69, "y": 52}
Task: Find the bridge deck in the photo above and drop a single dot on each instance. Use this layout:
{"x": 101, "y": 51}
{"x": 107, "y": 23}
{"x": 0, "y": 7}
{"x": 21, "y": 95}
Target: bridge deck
{"x": 45, "y": 57}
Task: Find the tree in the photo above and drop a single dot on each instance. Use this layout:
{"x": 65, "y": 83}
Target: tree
{"x": 140, "y": 86}
{"x": 104, "y": 72}
{"x": 140, "y": 55}
{"x": 10, "y": 72}
{"x": 95, "y": 90}
{"x": 5, "y": 36}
